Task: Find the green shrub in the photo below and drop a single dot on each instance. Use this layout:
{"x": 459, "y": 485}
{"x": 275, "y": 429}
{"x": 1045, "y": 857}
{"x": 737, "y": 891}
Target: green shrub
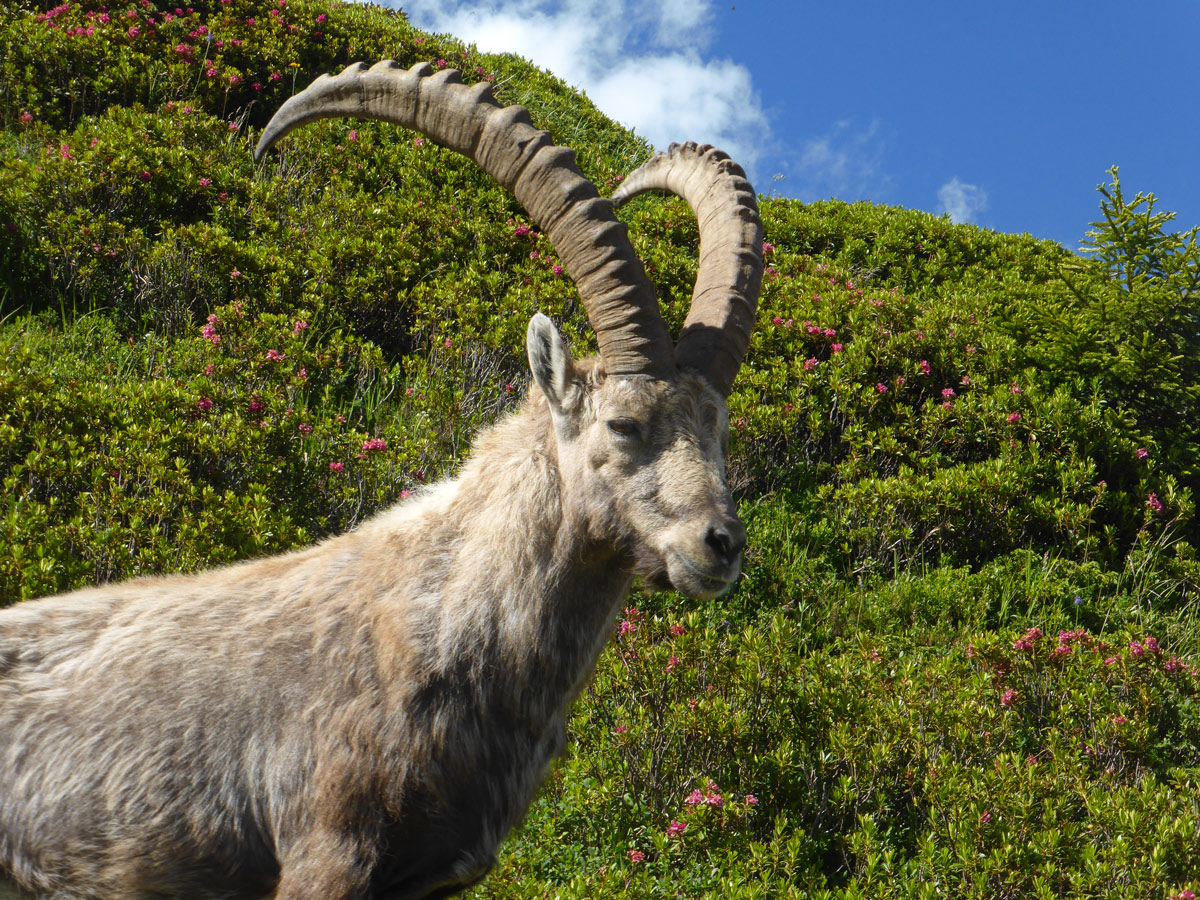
{"x": 943, "y": 438}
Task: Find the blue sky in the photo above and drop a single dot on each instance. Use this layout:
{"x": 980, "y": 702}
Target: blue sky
{"x": 1003, "y": 114}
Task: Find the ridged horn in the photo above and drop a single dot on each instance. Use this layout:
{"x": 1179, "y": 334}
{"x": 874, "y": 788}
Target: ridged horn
{"x": 717, "y": 330}
{"x": 593, "y": 246}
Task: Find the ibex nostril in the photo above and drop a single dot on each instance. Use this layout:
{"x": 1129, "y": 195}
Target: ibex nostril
{"x": 726, "y": 540}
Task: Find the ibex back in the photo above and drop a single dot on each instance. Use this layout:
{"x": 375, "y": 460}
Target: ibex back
{"x": 369, "y": 717}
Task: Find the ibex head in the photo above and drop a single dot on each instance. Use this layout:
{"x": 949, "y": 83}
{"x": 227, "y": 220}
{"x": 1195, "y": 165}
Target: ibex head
{"x": 639, "y": 433}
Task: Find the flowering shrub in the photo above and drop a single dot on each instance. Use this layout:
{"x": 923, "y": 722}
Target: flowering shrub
{"x": 961, "y": 660}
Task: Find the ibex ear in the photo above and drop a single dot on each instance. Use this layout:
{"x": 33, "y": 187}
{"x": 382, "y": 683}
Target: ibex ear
{"x": 550, "y": 363}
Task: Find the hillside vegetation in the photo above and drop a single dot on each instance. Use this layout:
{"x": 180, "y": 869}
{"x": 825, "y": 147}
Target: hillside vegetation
{"x": 962, "y": 659}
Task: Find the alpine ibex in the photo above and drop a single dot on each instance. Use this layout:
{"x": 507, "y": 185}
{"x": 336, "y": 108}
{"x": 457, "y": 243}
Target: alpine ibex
{"x": 369, "y": 717}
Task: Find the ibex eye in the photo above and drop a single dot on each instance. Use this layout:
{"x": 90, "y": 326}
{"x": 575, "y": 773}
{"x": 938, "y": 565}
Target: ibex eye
{"x": 623, "y": 427}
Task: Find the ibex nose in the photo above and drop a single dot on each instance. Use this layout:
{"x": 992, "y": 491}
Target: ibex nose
{"x": 726, "y": 539}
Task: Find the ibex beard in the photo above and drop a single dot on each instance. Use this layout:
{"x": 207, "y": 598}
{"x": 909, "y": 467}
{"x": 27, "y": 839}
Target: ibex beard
{"x": 369, "y": 717}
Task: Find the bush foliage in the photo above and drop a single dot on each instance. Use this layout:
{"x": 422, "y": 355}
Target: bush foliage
{"x": 962, "y": 659}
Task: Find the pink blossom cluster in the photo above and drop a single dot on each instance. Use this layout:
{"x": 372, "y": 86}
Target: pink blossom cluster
{"x": 209, "y": 331}
{"x": 630, "y": 623}
{"x": 710, "y": 796}
{"x": 1147, "y": 645}
{"x": 373, "y": 445}
{"x": 1027, "y": 640}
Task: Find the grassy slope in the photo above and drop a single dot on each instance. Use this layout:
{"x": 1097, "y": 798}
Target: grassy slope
{"x": 936, "y": 450}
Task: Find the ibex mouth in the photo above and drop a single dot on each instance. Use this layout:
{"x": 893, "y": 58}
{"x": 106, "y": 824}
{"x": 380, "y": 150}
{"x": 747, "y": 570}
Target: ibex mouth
{"x": 703, "y": 582}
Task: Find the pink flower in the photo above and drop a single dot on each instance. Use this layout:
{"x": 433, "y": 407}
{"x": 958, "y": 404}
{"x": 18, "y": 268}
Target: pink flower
{"x": 1008, "y": 698}
{"x": 1173, "y": 665}
{"x": 405, "y": 494}
{"x": 810, "y": 363}
{"x": 986, "y": 817}
{"x": 775, "y": 320}
{"x": 321, "y": 18}
{"x": 636, "y": 856}
{"x": 299, "y": 326}
{"x": 1136, "y": 649}
{"x": 205, "y": 182}
{"x": 374, "y": 445}
{"x": 304, "y": 428}
{"x": 211, "y": 72}
{"x": 836, "y": 348}
{"x": 1014, "y": 417}
{"x": 621, "y": 729}
{"x": 521, "y": 231}
{"x": 925, "y": 368}
{"x": 26, "y": 117}
{"x": 695, "y": 798}
{"x": 257, "y": 406}
{"x": 672, "y": 663}
{"x": 677, "y": 630}
{"x": 751, "y": 800}
{"x": 441, "y": 64}
{"x": 947, "y": 393}
{"x": 1111, "y": 661}
{"x": 1028, "y": 639}
{"x": 881, "y": 388}
{"x": 235, "y": 273}
{"x": 1119, "y": 720}
{"x": 1142, "y": 452}
{"x": 627, "y": 628}
{"x": 1155, "y": 504}
{"x": 204, "y": 404}
{"x": 556, "y": 269}
{"x": 1151, "y": 645}
{"x": 275, "y": 356}
{"x": 1015, "y": 388}
{"x": 768, "y": 247}
{"x": 676, "y": 828}
{"x": 353, "y": 135}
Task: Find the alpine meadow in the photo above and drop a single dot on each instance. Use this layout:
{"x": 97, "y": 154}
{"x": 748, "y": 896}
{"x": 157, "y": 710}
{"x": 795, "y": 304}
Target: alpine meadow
{"x": 962, "y": 658}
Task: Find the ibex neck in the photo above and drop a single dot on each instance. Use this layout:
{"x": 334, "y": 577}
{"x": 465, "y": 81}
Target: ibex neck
{"x": 516, "y": 599}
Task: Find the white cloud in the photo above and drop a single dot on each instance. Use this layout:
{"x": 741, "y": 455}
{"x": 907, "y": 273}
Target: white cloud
{"x": 846, "y": 162}
{"x": 639, "y": 62}
{"x": 961, "y": 201}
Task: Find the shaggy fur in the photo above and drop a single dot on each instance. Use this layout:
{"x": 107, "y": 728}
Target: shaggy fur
{"x": 369, "y": 717}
